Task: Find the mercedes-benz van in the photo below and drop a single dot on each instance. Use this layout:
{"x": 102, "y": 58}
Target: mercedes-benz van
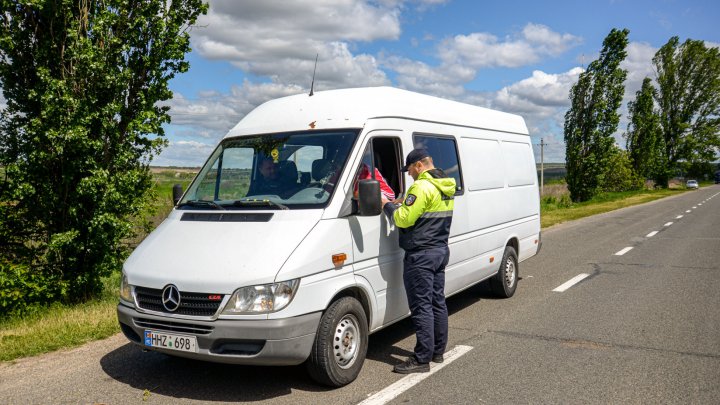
{"x": 278, "y": 252}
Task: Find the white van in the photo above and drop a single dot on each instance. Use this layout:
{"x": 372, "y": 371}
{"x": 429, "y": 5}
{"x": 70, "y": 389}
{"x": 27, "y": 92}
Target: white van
{"x": 302, "y": 266}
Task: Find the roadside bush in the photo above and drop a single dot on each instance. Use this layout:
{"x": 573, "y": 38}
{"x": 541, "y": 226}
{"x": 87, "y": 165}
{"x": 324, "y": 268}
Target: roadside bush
{"x": 22, "y": 288}
{"x": 620, "y": 175}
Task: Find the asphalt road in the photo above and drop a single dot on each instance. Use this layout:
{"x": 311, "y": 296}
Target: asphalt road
{"x": 642, "y": 327}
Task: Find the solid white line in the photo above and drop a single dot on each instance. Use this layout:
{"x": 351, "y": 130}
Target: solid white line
{"x": 668, "y": 224}
{"x": 622, "y": 252}
{"x": 678, "y": 217}
{"x": 571, "y": 282}
{"x": 651, "y": 234}
{"x": 391, "y": 392}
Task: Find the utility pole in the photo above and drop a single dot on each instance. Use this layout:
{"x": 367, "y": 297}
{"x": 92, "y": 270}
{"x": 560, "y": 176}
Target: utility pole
{"x": 542, "y": 166}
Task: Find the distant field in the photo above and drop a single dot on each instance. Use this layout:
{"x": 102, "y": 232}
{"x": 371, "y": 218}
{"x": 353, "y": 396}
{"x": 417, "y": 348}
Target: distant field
{"x": 156, "y": 169}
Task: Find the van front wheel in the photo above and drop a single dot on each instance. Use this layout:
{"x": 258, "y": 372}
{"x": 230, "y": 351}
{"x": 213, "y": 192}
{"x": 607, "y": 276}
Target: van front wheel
{"x": 504, "y": 283}
{"x": 341, "y": 342}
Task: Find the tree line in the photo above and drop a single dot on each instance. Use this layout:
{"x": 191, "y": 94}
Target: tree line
{"x": 674, "y": 121}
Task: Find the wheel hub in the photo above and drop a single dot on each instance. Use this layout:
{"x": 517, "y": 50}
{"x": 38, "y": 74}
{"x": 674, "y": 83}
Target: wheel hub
{"x": 510, "y": 273}
{"x": 346, "y": 341}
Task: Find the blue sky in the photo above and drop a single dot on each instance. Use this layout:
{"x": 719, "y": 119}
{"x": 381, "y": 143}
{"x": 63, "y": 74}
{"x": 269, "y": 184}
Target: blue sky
{"x": 516, "y": 56}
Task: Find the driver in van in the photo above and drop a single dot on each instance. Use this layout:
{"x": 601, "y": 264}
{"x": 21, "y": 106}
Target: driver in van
{"x": 269, "y": 180}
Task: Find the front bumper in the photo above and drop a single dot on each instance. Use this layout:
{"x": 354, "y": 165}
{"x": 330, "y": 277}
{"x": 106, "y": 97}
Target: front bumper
{"x": 276, "y": 342}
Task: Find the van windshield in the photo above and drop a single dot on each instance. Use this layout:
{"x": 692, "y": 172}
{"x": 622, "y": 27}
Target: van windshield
{"x": 271, "y": 171}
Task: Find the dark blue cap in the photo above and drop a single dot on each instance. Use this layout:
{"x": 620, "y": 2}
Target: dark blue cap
{"x": 414, "y": 156}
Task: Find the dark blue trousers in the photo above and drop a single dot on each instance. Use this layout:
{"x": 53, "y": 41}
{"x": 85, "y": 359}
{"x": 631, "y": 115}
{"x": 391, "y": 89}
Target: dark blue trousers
{"x": 424, "y": 279}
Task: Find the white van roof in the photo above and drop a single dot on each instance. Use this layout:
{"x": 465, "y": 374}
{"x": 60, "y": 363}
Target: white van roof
{"x": 351, "y": 108}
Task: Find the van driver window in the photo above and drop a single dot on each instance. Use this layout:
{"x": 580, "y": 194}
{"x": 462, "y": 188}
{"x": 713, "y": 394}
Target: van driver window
{"x": 445, "y": 155}
{"x": 380, "y": 161}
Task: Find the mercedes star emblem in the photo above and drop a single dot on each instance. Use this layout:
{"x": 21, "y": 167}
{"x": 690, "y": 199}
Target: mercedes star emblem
{"x": 171, "y": 298}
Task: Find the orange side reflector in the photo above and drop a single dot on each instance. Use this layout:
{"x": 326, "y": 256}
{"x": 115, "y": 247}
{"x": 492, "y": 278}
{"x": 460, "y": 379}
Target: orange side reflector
{"x": 492, "y": 259}
{"x": 339, "y": 259}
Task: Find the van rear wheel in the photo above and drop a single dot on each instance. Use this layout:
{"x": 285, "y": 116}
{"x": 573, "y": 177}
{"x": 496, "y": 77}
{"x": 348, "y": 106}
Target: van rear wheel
{"x": 341, "y": 342}
{"x": 504, "y": 283}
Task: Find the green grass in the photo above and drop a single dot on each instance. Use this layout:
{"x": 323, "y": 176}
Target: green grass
{"x": 60, "y": 326}
{"x": 63, "y": 327}
{"x": 562, "y": 210}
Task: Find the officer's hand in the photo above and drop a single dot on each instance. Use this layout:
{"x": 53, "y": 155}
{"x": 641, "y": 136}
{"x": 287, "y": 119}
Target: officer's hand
{"x": 384, "y": 200}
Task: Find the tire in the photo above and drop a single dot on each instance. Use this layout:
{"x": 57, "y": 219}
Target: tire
{"x": 341, "y": 343}
{"x": 504, "y": 283}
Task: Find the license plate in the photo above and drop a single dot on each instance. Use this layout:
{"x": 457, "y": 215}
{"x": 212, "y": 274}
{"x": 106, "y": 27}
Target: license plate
{"x": 170, "y": 341}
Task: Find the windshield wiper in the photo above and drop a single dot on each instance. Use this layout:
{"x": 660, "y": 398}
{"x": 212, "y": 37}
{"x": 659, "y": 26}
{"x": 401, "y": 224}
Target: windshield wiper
{"x": 259, "y": 203}
{"x": 201, "y": 203}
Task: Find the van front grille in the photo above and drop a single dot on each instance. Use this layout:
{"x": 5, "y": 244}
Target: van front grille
{"x": 191, "y": 303}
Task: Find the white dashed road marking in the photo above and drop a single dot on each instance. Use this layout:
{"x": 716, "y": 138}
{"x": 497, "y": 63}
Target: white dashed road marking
{"x": 651, "y": 234}
{"x": 622, "y": 252}
{"x": 571, "y": 282}
{"x": 668, "y": 224}
{"x": 678, "y": 217}
{"x": 405, "y": 383}
{"x": 688, "y": 211}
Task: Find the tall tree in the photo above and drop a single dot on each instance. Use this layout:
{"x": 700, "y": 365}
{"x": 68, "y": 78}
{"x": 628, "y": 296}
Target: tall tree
{"x": 645, "y": 142}
{"x": 592, "y": 118}
{"x": 83, "y": 80}
{"x": 688, "y": 97}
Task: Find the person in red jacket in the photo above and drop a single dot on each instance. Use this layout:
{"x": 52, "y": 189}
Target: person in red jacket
{"x": 385, "y": 189}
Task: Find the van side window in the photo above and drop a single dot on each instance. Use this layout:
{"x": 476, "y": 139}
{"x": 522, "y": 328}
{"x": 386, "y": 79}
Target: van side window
{"x": 444, "y": 152}
{"x": 381, "y": 160}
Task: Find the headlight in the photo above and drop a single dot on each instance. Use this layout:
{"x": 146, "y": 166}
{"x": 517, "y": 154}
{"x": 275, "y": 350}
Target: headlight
{"x": 261, "y": 299}
{"x": 125, "y": 290}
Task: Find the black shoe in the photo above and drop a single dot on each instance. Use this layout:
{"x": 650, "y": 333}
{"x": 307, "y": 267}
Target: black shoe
{"x": 411, "y": 365}
{"x": 438, "y": 358}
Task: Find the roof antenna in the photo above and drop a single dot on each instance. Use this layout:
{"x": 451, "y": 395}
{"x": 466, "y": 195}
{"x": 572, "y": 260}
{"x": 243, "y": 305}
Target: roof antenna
{"x": 313, "y": 79}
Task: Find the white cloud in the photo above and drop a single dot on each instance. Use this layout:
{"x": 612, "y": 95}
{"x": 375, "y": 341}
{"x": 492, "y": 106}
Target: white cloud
{"x": 184, "y": 154}
{"x": 210, "y": 116}
{"x": 463, "y": 55}
{"x": 279, "y": 39}
{"x": 480, "y": 50}
{"x": 539, "y": 94}
{"x": 542, "y": 100}
{"x": 445, "y": 81}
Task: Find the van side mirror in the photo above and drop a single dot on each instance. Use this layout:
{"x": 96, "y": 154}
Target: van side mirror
{"x": 177, "y": 193}
{"x": 369, "y": 202}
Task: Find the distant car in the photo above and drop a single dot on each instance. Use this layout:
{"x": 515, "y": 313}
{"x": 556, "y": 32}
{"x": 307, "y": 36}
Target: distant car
{"x": 692, "y": 184}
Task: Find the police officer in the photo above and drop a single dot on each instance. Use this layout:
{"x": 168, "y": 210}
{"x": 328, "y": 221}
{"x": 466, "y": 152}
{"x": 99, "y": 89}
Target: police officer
{"x": 424, "y": 220}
